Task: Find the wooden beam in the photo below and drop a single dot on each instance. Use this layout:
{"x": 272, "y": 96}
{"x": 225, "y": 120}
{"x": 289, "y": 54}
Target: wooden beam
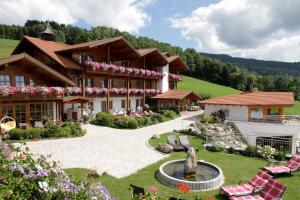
{"x": 127, "y": 96}
{"x": 107, "y": 94}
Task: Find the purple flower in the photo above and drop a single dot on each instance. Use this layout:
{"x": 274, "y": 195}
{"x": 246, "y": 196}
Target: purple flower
{"x": 21, "y": 169}
{"x": 42, "y": 173}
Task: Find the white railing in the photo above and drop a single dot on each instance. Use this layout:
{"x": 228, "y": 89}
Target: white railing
{"x": 284, "y": 119}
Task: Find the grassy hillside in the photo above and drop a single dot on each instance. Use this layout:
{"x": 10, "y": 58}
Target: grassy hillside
{"x": 205, "y": 88}
{"x": 7, "y": 46}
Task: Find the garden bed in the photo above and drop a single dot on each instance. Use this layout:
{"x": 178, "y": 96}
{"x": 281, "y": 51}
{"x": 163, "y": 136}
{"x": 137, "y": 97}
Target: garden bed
{"x": 67, "y": 129}
{"x": 125, "y": 122}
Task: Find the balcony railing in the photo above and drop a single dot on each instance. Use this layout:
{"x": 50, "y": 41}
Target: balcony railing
{"x": 7, "y": 91}
{"x": 283, "y": 119}
{"x": 125, "y": 71}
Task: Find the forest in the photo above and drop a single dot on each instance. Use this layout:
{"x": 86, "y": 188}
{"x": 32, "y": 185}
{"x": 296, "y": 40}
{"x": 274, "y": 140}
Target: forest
{"x": 202, "y": 67}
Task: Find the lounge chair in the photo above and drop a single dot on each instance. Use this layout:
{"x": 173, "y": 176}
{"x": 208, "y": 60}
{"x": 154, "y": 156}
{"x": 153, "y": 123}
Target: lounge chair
{"x": 273, "y": 191}
{"x": 292, "y": 166}
{"x": 184, "y": 141}
{"x": 255, "y": 185}
{"x": 23, "y": 125}
{"x": 38, "y": 124}
{"x": 151, "y": 113}
{"x": 172, "y": 140}
{"x": 146, "y": 113}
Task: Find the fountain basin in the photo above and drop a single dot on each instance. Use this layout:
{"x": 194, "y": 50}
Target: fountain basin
{"x": 208, "y": 176}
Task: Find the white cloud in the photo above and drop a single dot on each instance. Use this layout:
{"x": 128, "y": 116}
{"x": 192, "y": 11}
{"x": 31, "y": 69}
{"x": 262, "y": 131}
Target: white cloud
{"x": 126, "y": 15}
{"x": 264, "y": 29}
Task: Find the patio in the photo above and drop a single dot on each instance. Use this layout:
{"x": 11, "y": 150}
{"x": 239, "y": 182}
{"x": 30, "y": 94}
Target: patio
{"x": 117, "y": 152}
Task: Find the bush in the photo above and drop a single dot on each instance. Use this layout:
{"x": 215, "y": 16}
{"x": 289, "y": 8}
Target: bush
{"x": 281, "y": 154}
{"x": 51, "y": 130}
{"x": 215, "y": 148}
{"x": 207, "y": 119}
{"x": 175, "y": 109}
{"x": 141, "y": 121}
{"x": 73, "y": 129}
{"x": 104, "y": 119}
{"x": 231, "y": 150}
{"x": 251, "y": 151}
{"x": 266, "y": 152}
{"x": 171, "y": 114}
{"x": 133, "y": 123}
{"x": 18, "y": 134}
{"x": 36, "y": 132}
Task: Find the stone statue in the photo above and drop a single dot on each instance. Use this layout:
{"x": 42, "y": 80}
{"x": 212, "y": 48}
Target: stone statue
{"x": 190, "y": 164}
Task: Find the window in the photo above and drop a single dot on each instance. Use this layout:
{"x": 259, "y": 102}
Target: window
{"x": 20, "y": 113}
{"x": 91, "y": 105}
{"x": 20, "y": 81}
{"x": 103, "y": 83}
{"x": 137, "y": 103}
{"x": 111, "y": 83}
{"x": 129, "y": 84}
{"x": 123, "y": 104}
{"x": 129, "y": 103}
{"x": 141, "y": 102}
{"x": 32, "y": 83}
{"x": 80, "y": 82}
{"x": 138, "y": 84}
{"x": 90, "y": 82}
{"x": 7, "y": 110}
{"x": 103, "y": 106}
{"x": 39, "y": 112}
{"x": 4, "y": 80}
{"x": 123, "y": 84}
{"x": 110, "y": 105}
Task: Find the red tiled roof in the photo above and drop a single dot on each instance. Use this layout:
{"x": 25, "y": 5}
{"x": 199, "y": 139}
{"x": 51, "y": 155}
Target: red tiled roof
{"x": 49, "y": 48}
{"x": 254, "y": 99}
{"x": 177, "y": 95}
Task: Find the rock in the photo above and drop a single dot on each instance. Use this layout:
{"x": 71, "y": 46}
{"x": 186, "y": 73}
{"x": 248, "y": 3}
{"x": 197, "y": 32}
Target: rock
{"x": 155, "y": 136}
{"x": 96, "y": 172}
{"x": 190, "y": 164}
{"x": 165, "y": 148}
{"x": 219, "y": 129}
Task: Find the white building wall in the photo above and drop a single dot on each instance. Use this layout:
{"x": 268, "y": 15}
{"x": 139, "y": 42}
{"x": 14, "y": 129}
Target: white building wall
{"x": 251, "y": 130}
{"x": 163, "y": 84}
{"x": 236, "y": 113}
{"x": 117, "y": 103}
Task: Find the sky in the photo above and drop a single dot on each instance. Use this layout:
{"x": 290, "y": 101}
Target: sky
{"x": 261, "y": 29}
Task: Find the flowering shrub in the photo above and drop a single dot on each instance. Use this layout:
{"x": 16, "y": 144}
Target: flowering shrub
{"x": 22, "y": 177}
{"x": 266, "y": 152}
{"x": 122, "y": 70}
{"x": 29, "y": 90}
{"x": 174, "y": 77}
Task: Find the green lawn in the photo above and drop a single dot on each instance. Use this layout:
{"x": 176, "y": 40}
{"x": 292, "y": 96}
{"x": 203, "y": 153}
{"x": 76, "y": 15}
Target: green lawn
{"x": 204, "y": 87}
{"x": 7, "y": 46}
{"x": 235, "y": 168}
{"x": 295, "y": 110}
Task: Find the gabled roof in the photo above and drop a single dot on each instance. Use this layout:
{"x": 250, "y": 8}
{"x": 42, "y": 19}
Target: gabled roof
{"x": 175, "y": 62}
{"x": 49, "y": 48}
{"x": 157, "y": 56}
{"x": 254, "y": 99}
{"x": 42, "y": 67}
{"x": 178, "y": 95}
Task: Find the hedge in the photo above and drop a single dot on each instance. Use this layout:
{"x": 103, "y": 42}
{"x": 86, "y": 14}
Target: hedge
{"x": 68, "y": 129}
{"x": 109, "y": 120}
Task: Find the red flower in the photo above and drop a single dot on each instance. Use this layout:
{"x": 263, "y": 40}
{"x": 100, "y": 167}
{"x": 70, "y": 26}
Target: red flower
{"x": 152, "y": 189}
{"x": 183, "y": 187}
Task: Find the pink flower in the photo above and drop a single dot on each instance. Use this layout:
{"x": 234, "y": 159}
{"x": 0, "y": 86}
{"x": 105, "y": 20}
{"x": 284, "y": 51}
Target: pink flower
{"x": 152, "y": 189}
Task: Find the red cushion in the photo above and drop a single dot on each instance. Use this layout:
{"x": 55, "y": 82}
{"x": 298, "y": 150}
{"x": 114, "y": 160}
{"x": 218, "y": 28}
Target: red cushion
{"x": 249, "y": 197}
{"x": 293, "y": 164}
{"x": 278, "y": 169}
{"x": 296, "y": 158}
{"x": 273, "y": 190}
{"x": 264, "y": 175}
{"x": 237, "y": 190}
{"x": 258, "y": 181}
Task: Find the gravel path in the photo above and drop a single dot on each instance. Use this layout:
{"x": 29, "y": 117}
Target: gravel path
{"x": 117, "y": 152}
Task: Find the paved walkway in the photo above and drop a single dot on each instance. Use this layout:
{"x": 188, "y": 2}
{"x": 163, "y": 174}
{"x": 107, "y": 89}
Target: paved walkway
{"x": 117, "y": 152}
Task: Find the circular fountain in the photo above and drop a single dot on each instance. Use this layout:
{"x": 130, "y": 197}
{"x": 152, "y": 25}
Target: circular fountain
{"x": 199, "y": 175}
